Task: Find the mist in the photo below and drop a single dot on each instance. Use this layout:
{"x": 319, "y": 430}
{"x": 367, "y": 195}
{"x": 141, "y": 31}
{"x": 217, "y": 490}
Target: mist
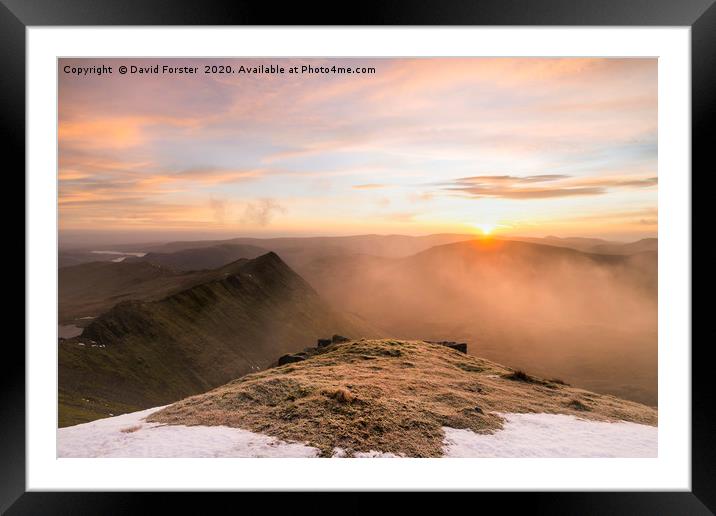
{"x": 590, "y": 320}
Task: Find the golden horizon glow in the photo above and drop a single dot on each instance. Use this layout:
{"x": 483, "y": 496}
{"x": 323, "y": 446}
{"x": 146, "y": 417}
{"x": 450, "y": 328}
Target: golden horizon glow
{"x": 486, "y": 228}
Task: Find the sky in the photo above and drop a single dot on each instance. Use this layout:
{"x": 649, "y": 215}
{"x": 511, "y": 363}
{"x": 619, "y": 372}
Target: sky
{"x": 510, "y": 146}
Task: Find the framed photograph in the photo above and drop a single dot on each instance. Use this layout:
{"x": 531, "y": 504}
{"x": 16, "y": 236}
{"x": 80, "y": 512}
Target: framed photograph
{"x": 430, "y": 248}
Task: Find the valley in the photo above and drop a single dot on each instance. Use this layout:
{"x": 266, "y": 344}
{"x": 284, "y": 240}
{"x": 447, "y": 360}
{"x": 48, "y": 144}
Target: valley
{"x": 178, "y": 320}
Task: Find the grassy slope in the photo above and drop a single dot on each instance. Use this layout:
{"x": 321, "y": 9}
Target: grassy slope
{"x": 144, "y": 354}
{"x": 93, "y": 288}
{"x": 390, "y": 396}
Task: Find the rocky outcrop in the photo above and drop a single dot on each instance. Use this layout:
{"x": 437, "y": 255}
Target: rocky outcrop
{"x": 291, "y": 358}
{"x": 458, "y": 346}
{"x": 339, "y": 339}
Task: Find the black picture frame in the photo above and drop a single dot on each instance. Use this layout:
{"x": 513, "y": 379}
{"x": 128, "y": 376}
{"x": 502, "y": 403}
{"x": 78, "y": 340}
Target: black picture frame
{"x": 700, "y": 15}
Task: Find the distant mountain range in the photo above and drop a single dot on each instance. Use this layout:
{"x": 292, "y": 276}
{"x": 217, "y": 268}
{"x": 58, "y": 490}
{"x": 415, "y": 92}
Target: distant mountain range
{"x": 596, "y": 245}
{"x": 191, "y": 255}
{"x": 298, "y": 251}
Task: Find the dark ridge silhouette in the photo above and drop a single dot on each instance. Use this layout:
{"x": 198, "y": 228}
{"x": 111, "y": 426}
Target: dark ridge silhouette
{"x": 142, "y": 354}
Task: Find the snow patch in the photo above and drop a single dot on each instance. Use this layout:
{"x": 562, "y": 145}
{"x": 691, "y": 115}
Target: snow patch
{"x": 129, "y": 435}
{"x": 376, "y": 455}
{"x": 554, "y": 435}
{"x": 372, "y": 454}
{"x": 523, "y": 435}
{"x": 67, "y": 331}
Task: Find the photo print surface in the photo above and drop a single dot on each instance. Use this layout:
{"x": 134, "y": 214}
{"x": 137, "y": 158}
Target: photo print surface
{"x": 357, "y": 257}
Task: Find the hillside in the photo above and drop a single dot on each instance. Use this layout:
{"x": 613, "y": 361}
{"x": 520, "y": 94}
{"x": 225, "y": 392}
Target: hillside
{"x": 594, "y": 245}
{"x": 388, "y": 396}
{"x": 141, "y": 354}
{"x": 201, "y": 258}
{"x": 90, "y": 289}
{"x": 382, "y": 245}
{"x": 640, "y": 246}
{"x": 590, "y": 318}
{"x": 70, "y": 257}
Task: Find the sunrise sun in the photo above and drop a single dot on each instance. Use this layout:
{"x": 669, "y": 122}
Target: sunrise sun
{"x": 486, "y": 228}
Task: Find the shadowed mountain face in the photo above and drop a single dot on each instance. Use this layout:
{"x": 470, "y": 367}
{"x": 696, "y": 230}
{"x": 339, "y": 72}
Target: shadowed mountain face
{"x": 90, "y": 289}
{"x": 146, "y": 353}
{"x": 382, "y": 245}
{"x": 202, "y": 257}
{"x": 640, "y": 246}
{"x": 589, "y": 318}
{"x": 595, "y": 245}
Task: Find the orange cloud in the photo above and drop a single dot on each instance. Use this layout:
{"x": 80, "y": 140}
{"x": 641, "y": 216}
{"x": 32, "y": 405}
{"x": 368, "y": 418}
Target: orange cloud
{"x": 152, "y": 150}
{"x": 117, "y": 132}
{"x": 370, "y": 186}
{"x": 533, "y": 187}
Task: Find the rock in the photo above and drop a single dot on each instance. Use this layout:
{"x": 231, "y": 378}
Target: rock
{"x": 458, "y": 346}
{"x": 289, "y": 359}
{"x": 339, "y": 338}
{"x": 324, "y": 342}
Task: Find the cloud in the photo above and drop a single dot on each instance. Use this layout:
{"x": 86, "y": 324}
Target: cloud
{"x": 71, "y": 175}
{"x": 91, "y": 178}
{"x": 118, "y": 132}
{"x": 218, "y": 208}
{"x": 100, "y": 189}
{"x": 421, "y": 196}
{"x": 644, "y": 213}
{"x": 370, "y": 186}
{"x": 542, "y": 186}
{"x": 154, "y": 150}
{"x": 513, "y": 179}
{"x": 261, "y": 212}
{"x": 214, "y": 175}
{"x": 383, "y": 202}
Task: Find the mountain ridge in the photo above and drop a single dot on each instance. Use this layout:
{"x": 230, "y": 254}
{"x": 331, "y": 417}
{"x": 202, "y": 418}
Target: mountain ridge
{"x": 145, "y": 353}
{"x": 201, "y": 258}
